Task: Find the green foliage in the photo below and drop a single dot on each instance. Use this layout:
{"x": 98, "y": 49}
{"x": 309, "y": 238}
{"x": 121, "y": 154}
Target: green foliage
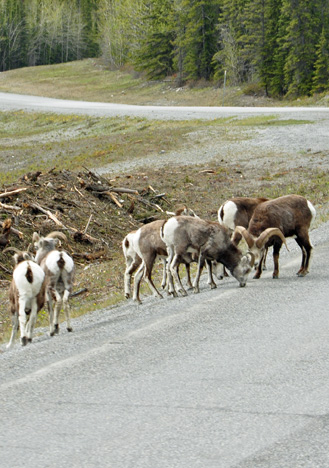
{"x": 155, "y": 53}
{"x": 282, "y": 45}
{"x": 321, "y": 67}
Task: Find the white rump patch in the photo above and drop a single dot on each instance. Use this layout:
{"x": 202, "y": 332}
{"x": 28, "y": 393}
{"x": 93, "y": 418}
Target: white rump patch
{"x": 230, "y": 210}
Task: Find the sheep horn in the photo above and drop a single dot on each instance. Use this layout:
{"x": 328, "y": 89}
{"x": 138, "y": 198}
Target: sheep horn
{"x": 35, "y": 237}
{"x": 252, "y": 258}
{"x": 270, "y": 232}
{"x": 57, "y": 234}
{"x": 11, "y": 249}
{"x": 245, "y": 234}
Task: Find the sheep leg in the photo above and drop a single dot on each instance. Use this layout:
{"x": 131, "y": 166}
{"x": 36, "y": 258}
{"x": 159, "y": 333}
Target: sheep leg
{"x": 259, "y": 268}
{"x": 66, "y": 305}
{"x": 14, "y": 320}
{"x": 137, "y": 280}
{"x": 276, "y": 253}
{"x": 132, "y": 265}
{"x": 201, "y": 263}
{"x": 306, "y": 248}
{"x": 164, "y": 273}
{"x": 188, "y": 276}
{"x": 171, "y": 287}
{"x": 22, "y": 322}
{"x": 32, "y": 320}
{"x": 174, "y": 271}
{"x": 148, "y": 263}
{"x": 51, "y": 313}
{"x": 58, "y": 306}
{"x": 210, "y": 281}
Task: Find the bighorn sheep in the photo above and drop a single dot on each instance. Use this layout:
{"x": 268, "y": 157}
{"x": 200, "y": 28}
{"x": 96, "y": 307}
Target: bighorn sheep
{"x": 141, "y": 248}
{"x": 272, "y": 222}
{"x": 209, "y": 241}
{"x": 238, "y": 212}
{"x": 59, "y": 270}
{"x": 26, "y": 296}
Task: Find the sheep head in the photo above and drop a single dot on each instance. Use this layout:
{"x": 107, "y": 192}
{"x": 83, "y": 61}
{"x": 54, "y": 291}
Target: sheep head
{"x": 257, "y": 245}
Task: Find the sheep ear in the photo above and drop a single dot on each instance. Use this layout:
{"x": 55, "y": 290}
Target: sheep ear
{"x": 35, "y": 237}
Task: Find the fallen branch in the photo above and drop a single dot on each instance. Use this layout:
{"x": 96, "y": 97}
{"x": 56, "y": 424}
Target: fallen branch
{"x": 12, "y": 192}
{"x": 5, "y": 269}
{"x": 49, "y": 214}
{"x": 10, "y": 207}
{"x": 114, "y": 198}
{"x": 87, "y": 225}
{"x": 124, "y": 190}
{"x": 76, "y": 293}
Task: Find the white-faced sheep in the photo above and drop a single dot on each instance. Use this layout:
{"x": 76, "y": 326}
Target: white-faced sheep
{"x": 272, "y": 222}
{"x": 59, "y": 269}
{"x": 26, "y": 296}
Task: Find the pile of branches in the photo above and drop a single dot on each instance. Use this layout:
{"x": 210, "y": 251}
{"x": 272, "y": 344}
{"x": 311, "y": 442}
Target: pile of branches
{"x": 93, "y": 212}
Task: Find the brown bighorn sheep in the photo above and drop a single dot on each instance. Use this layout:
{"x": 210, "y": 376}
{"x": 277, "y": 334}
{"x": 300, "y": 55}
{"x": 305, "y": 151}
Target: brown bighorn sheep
{"x": 141, "y": 248}
{"x": 272, "y": 222}
{"x": 59, "y": 270}
{"x": 238, "y": 212}
{"x": 26, "y": 296}
{"x": 209, "y": 241}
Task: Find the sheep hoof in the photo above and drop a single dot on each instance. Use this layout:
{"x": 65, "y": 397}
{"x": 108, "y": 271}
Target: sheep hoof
{"x": 56, "y": 331}
{"x": 23, "y": 341}
{"x": 29, "y": 340}
{"x": 302, "y": 272}
{"x": 69, "y": 329}
{"x": 213, "y": 286}
{"x": 127, "y": 296}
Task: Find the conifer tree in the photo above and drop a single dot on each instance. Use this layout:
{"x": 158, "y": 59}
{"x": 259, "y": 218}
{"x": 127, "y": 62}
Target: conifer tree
{"x": 321, "y": 67}
{"x": 199, "y": 43}
{"x": 155, "y": 52}
{"x": 300, "y": 40}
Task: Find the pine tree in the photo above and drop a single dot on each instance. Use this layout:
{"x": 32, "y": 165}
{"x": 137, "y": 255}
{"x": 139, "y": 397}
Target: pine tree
{"x": 233, "y": 54}
{"x": 321, "y": 67}
{"x": 155, "y": 53}
{"x": 89, "y": 12}
{"x": 198, "y": 43}
{"x": 300, "y": 41}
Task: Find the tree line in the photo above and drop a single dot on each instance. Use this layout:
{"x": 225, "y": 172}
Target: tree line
{"x": 283, "y": 45}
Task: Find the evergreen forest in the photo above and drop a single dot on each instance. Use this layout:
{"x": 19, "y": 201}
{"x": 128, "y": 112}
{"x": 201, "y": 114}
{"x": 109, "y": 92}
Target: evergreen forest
{"x": 282, "y": 45}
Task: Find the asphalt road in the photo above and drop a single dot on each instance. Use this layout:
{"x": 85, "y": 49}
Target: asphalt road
{"x": 227, "y": 378}
{"x": 232, "y": 377}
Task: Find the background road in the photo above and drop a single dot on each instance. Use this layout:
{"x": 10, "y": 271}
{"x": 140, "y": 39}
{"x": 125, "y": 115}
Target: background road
{"x": 232, "y": 377}
{"x": 9, "y": 101}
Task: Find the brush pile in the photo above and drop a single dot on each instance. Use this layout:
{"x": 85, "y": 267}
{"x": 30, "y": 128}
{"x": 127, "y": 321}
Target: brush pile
{"x": 90, "y": 209}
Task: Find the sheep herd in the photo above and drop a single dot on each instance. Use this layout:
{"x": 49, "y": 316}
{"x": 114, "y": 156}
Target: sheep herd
{"x": 185, "y": 238}
{"x": 47, "y": 277}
